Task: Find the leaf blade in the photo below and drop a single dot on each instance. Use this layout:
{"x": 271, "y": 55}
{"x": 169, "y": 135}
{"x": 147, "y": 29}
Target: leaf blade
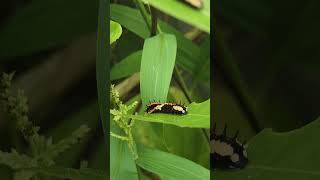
{"x": 198, "y": 18}
{"x": 115, "y": 31}
{"x": 171, "y": 166}
{"x": 198, "y": 117}
{"x": 157, "y": 63}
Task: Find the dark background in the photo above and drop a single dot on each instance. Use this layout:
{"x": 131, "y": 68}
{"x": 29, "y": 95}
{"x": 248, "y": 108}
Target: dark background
{"x": 51, "y": 44}
{"x": 268, "y": 62}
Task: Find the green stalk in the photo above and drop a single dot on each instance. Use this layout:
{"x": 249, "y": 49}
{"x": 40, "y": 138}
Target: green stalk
{"x": 185, "y": 90}
{"x": 146, "y": 15}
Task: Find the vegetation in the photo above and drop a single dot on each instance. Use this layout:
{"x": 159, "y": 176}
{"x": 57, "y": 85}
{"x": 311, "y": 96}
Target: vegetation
{"x": 159, "y": 55}
{"x": 267, "y": 76}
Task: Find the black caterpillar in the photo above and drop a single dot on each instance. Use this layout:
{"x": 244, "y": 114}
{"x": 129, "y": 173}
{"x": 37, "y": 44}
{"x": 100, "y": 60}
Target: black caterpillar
{"x": 167, "y": 108}
{"x": 227, "y": 152}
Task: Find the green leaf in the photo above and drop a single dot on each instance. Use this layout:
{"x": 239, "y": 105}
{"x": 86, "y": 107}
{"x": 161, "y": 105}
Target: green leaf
{"x": 131, "y": 19}
{"x": 157, "y": 63}
{"x": 122, "y": 165}
{"x": 47, "y": 24}
{"x": 169, "y": 166}
{"x": 126, "y": 67}
{"x": 188, "y": 53}
{"x": 102, "y": 65}
{"x": 68, "y": 173}
{"x": 198, "y": 117}
{"x": 191, "y": 143}
{"x": 199, "y": 18}
{"x": 115, "y": 31}
{"x": 293, "y": 155}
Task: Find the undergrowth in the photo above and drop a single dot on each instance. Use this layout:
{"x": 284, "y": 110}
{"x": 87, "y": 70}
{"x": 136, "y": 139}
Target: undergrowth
{"x": 42, "y": 151}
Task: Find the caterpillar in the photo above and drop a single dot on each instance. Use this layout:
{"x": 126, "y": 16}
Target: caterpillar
{"x": 194, "y": 3}
{"x": 227, "y": 152}
{"x": 167, "y": 108}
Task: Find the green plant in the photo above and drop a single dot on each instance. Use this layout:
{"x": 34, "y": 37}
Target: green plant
{"x": 38, "y": 162}
{"x": 262, "y": 82}
{"x": 168, "y": 66}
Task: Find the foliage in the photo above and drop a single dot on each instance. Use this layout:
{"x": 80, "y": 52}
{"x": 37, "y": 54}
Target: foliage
{"x": 166, "y": 67}
{"x": 120, "y": 118}
{"x": 262, "y": 82}
{"x": 170, "y": 166}
{"x": 198, "y": 117}
{"x": 115, "y": 31}
{"x": 289, "y": 155}
{"x": 43, "y": 150}
{"x": 52, "y": 47}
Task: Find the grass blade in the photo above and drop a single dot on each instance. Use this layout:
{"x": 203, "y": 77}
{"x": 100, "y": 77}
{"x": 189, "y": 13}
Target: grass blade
{"x": 157, "y": 63}
{"x": 169, "y": 166}
{"x": 198, "y": 117}
{"x": 198, "y": 18}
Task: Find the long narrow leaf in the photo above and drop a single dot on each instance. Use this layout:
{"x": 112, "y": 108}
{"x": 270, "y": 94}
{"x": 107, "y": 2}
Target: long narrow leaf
{"x": 199, "y": 18}
{"x": 188, "y": 53}
{"x": 157, "y": 63}
{"x": 126, "y": 67}
{"x": 122, "y": 165}
{"x": 169, "y": 166}
{"x": 102, "y": 64}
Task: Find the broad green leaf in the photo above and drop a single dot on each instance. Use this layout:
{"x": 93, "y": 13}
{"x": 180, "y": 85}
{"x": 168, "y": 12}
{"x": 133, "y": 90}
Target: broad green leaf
{"x": 169, "y": 166}
{"x": 198, "y": 117}
{"x": 69, "y": 173}
{"x": 41, "y": 25}
{"x": 188, "y": 53}
{"x": 199, "y": 18}
{"x": 115, "y": 31}
{"x": 157, "y": 63}
{"x": 292, "y": 155}
{"x": 126, "y": 67}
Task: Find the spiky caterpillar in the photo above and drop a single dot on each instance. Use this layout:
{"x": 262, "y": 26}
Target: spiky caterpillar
{"x": 227, "y": 152}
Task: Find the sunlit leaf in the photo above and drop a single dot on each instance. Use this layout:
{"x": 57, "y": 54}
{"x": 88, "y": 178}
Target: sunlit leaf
{"x": 115, "y": 31}
{"x": 198, "y": 116}
{"x": 200, "y": 18}
{"x": 170, "y": 166}
{"x": 157, "y": 63}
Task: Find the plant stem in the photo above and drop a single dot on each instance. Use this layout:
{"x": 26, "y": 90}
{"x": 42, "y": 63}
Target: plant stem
{"x": 154, "y": 20}
{"x": 143, "y": 12}
{"x": 150, "y": 22}
{"x": 185, "y": 90}
{"x": 182, "y": 84}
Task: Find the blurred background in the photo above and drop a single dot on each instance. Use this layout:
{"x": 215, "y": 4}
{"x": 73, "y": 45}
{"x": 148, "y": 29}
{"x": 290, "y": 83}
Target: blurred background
{"x": 51, "y": 45}
{"x": 268, "y": 64}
